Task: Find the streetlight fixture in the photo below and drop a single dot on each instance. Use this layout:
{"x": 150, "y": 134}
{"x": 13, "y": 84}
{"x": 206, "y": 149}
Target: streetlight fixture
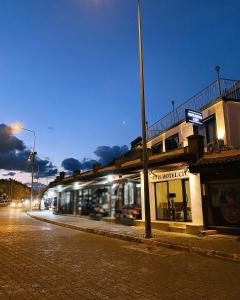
{"x": 148, "y": 229}
{"x": 17, "y": 128}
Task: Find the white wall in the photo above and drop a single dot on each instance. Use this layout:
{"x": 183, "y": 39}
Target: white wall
{"x": 227, "y": 116}
{"x": 232, "y": 117}
{"x": 142, "y": 196}
{"x": 196, "y": 199}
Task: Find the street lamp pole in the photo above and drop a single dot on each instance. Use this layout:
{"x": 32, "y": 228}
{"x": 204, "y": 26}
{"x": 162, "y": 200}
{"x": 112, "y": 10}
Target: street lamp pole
{"x": 148, "y": 230}
{"x": 17, "y": 128}
{"x": 32, "y": 158}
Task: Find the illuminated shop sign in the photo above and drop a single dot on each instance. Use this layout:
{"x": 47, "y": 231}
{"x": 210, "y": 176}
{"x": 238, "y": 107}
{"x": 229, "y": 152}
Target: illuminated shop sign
{"x": 165, "y": 176}
{"x": 194, "y": 117}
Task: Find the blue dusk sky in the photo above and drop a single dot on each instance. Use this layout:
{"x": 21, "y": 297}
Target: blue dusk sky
{"x": 69, "y": 68}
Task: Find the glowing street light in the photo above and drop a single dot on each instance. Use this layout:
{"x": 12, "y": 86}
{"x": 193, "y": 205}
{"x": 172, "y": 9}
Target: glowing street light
{"x": 17, "y": 128}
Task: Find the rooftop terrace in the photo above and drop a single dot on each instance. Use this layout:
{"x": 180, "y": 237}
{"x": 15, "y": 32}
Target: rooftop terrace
{"x": 226, "y": 88}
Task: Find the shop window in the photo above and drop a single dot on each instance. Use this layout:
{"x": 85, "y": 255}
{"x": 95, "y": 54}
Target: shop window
{"x": 66, "y": 203}
{"x": 173, "y": 201}
{"x": 172, "y": 142}
{"x": 224, "y": 204}
{"x": 84, "y": 201}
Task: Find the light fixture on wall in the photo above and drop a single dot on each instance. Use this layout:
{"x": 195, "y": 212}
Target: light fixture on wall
{"x": 221, "y": 134}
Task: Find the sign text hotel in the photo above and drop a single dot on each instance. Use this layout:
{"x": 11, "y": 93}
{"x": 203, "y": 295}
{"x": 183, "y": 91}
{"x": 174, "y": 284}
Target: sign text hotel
{"x": 178, "y": 174}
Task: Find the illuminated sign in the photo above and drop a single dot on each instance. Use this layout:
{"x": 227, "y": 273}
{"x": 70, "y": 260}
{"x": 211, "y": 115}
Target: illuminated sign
{"x": 171, "y": 175}
{"x": 194, "y": 117}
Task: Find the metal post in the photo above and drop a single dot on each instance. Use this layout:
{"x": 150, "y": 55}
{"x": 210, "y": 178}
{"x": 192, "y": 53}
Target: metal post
{"x": 148, "y": 230}
{"x": 217, "y": 68}
{"x": 33, "y": 160}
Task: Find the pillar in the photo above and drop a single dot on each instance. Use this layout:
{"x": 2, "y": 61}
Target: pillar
{"x": 196, "y": 199}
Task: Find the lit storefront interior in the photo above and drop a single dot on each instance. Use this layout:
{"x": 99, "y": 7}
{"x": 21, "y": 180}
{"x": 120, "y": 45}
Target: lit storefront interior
{"x": 112, "y": 193}
{"x": 173, "y": 200}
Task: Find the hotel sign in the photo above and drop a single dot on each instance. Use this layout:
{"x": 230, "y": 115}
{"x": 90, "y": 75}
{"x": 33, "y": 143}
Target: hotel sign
{"x": 171, "y": 175}
{"x": 194, "y": 117}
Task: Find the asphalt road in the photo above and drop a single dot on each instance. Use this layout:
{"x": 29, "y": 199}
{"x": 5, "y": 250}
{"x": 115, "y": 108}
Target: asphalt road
{"x": 43, "y": 261}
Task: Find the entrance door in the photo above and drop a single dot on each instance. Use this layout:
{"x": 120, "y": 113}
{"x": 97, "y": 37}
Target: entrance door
{"x": 162, "y": 201}
{"x": 173, "y": 200}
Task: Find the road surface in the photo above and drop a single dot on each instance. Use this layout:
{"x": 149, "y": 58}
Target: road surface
{"x": 43, "y": 261}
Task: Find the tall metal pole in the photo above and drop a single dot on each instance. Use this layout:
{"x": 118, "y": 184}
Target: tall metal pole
{"x": 33, "y": 161}
{"x": 148, "y": 230}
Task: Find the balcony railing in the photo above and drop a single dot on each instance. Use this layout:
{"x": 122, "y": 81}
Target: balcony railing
{"x": 226, "y": 88}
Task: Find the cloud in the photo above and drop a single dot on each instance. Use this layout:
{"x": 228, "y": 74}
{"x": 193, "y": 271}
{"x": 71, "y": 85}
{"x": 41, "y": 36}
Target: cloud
{"x": 87, "y": 163}
{"x": 71, "y": 164}
{"x": 9, "y": 174}
{"x": 51, "y": 128}
{"x": 8, "y": 142}
{"x": 105, "y": 155}
{"x": 14, "y": 155}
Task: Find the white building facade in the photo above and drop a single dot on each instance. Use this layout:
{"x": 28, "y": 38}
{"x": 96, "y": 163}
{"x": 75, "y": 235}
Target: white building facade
{"x": 175, "y": 193}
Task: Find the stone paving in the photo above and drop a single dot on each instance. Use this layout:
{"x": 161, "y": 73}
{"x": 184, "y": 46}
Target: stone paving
{"x": 44, "y": 261}
{"x": 223, "y": 243}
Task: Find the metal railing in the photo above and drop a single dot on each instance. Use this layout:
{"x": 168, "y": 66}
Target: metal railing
{"x": 226, "y": 88}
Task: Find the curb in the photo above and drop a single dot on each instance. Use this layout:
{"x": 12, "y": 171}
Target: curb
{"x": 126, "y": 237}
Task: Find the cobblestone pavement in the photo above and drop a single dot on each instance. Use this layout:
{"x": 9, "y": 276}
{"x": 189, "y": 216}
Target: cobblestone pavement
{"x": 224, "y": 243}
{"x": 43, "y": 261}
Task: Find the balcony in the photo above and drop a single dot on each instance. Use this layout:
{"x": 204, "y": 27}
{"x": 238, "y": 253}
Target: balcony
{"x": 223, "y": 88}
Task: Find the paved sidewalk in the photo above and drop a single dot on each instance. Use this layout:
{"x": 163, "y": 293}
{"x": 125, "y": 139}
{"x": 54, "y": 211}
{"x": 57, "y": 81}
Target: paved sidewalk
{"x": 222, "y": 246}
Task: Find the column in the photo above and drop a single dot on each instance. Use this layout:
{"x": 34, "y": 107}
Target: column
{"x": 142, "y": 197}
{"x": 196, "y": 199}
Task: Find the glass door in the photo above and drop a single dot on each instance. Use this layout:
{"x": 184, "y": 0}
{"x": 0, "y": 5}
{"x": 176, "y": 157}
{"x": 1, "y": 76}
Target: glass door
{"x": 162, "y": 201}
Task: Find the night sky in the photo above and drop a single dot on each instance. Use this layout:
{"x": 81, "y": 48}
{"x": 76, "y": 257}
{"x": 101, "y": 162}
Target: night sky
{"x": 69, "y": 68}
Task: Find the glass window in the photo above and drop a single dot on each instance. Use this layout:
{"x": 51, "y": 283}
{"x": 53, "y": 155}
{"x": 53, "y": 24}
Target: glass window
{"x": 208, "y": 130}
{"x": 210, "y": 126}
{"x": 162, "y": 205}
{"x": 224, "y": 204}
{"x": 172, "y": 142}
{"x": 158, "y": 148}
{"x": 176, "y": 199}
{"x": 66, "y": 205}
{"x": 186, "y": 191}
{"x": 173, "y": 200}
